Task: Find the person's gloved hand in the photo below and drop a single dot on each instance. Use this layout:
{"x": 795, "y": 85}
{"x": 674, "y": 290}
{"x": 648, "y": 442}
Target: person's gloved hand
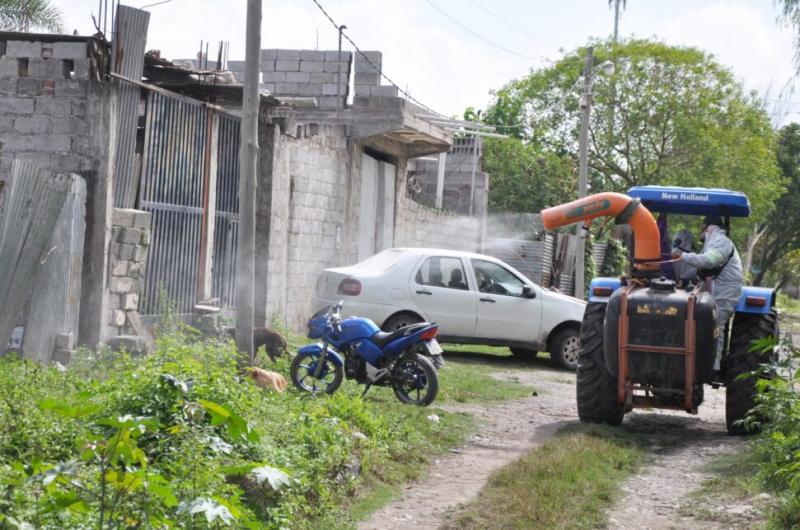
{"x": 677, "y": 253}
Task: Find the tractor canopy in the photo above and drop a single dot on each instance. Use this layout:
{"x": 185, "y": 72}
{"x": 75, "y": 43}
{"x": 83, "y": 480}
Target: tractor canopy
{"x": 692, "y": 201}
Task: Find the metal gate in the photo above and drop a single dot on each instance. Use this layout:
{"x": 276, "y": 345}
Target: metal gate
{"x": 226, "y": 225}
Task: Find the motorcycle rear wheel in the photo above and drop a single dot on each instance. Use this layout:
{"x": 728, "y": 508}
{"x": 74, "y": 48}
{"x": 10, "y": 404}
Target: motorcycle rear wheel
{"x": 414, "y": 380}
{"x": 302, "y": 374}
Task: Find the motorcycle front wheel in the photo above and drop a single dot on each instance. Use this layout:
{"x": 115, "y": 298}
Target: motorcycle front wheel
{"x": 304, "y": 365}
{"x": 414, "y": 380}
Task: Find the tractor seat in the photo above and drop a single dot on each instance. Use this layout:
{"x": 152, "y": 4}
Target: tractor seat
{"x": 382, "y": 338}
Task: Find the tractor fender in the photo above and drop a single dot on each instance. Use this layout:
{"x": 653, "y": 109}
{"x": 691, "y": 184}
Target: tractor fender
{"x": 607, "y": 283}
{"x": 756, "y": 300}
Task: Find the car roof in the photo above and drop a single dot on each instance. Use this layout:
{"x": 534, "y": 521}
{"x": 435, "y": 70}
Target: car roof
{"x": 444, "y": 252}
{"x": 692, "y": 201}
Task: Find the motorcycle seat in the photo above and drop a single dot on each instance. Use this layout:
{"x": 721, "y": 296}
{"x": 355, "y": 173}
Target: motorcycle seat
{"x": 382, "y": 338}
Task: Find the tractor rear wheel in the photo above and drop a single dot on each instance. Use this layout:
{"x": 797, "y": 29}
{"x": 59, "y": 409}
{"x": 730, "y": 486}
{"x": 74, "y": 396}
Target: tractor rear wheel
{"x": 740, "y": 394}
{"x": 597, "y": 389}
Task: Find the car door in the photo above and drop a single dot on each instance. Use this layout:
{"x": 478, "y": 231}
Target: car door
{"x": 503, "y": 312}
{"x": 440, "y": 288}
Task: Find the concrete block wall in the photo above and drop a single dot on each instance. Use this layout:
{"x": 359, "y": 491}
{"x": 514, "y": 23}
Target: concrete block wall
{"x": 420, "y": 226}
{"x": 317, "y": 210}
{"x": 367, "y": 77}
{"x": 43, "y": 110}
{"x": 130, "y": 241}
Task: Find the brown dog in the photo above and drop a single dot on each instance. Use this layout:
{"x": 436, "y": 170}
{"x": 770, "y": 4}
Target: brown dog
{"x": 274, "y": 344}
{"x": 267, "y": 380}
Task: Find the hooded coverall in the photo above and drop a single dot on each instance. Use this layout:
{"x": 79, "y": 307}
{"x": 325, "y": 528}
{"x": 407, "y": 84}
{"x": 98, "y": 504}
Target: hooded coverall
{"x": 684, "y": 273}
{"x": 727, "y": 286}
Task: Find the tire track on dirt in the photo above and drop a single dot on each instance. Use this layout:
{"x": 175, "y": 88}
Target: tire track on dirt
{"x": 510, "y": 430}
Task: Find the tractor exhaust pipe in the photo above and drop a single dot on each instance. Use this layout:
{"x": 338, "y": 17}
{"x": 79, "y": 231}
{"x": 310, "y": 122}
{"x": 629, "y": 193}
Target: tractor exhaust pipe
{"x": 647, "y": 239}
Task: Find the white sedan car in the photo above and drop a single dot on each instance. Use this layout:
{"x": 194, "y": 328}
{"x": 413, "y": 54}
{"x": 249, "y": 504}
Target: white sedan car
{"x": 475, "y": 299}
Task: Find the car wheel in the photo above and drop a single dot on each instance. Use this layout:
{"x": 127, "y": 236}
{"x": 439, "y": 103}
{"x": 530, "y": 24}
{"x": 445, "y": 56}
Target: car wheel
{"x": 565, "y": 348}
{"x": 523, "y": 353}
{"x": 400, "y": 320}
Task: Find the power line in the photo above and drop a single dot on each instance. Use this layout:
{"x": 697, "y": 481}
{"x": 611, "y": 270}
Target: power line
{"x": 478, "y": 35}
{"x": 511, "y": 24}
{"x": 374, "y": 67}
{"x": 156, "y": 4}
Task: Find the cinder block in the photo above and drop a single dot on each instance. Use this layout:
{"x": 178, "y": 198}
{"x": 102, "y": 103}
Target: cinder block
{"x": 140, "y": 254}
{"x": 287, "y": 66}
{"x": 73, "y": 126}
{"x": 70, "y": 88}
{"x": 135, "y": 270}
{"x": 275, "y": 77}
{"x": 22, "y": 48}
{"x": 312, "y": 55}
{"x": 121, "y": 285}
{"x": 297, "y": 77}
{"x": 50, "y": 107}
{"x": 288, "y": 55}
{"x": 286, "y": 88}
{"x": 363, "y": 67}
{"x": 362, "y": 90}
{"x": 27, "y": 86}
{"x": 45, "y": 68}
{"x": 130, "y": 302}
{"x": 119, "y": 268}
{"x": 65, "y": 341}
{"x": 130, "y": 235}
{"x": 126, "y": 252}
{"x": 386, "y": 91}
{"x": 266, "y": 66}
{"x": 267, "y": 55}
{"x": 267, "y": 87}
{"x": 70, "y": 50}
{"x": 332, "y": 89}
{"x": 9, "y": 67}
{"x": 135, "y": 345}
{"x": 8, "y": 85}
{"x": 329, "y": 102}
{"x": 123, "y": 217}
{"x": 142, "y": 219}
{"x": 337, "y": 67}
{"x": 145, "y": 240}
{"x": 309, "y": 66}
{"x": 31, "y": 124}
{"x": 62, "y": 356}
{"x": 6, "y": 123}
{"x": 371, "y": 78}
{"x": 322, "y": 77}
{"x": 333, "y": 55}
{"x": 117, "y": 318}
{"x": 13, "y": 105}
{"x": 373, "y": 56}
{"x": 81, "y": 68}
{"x": 78, "y": 109}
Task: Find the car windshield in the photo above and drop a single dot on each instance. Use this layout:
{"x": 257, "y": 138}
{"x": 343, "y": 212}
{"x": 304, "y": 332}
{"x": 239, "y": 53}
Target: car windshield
{"x": 382, "y": 261}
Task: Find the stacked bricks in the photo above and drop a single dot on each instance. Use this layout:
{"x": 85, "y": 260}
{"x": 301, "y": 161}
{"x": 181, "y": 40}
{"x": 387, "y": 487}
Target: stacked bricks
{"x": 306, "y": 73}
{"x": 130, "y": 240}
{"x": 43, "y": 115}
{"x": 368, "y": 68}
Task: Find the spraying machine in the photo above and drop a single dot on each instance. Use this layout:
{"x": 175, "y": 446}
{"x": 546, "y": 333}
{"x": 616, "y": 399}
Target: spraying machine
{"x": 649, "y": 341}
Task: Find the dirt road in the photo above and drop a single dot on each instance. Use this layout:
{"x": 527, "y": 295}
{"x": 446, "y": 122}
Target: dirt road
{"x": 681, "y": 446}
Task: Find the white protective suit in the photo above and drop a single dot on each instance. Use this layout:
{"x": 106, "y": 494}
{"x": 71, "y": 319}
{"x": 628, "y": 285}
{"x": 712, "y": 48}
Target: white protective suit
{"x": 684, "y": 273}
{"x": 727, "y": 287}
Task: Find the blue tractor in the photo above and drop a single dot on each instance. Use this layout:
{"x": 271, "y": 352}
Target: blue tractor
{"x": 648, "y": 340}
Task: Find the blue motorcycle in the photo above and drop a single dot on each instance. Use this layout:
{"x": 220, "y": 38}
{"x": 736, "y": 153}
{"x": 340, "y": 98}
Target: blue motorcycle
{"x": 355, "y": 347}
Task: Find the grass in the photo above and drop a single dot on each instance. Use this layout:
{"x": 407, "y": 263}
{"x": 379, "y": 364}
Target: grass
{"x": 568, "y": 482}
{"x": 788, "y": 304}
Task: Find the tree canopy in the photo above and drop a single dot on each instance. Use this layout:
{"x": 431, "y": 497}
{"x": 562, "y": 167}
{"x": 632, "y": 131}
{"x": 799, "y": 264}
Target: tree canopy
{"x": 28, "y": 15}
{"x": 667, "y": 115}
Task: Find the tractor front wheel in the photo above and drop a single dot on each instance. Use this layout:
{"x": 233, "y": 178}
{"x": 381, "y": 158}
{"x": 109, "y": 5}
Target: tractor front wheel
{"x": 597, "y": 389}
{"x": 740, "y": 392}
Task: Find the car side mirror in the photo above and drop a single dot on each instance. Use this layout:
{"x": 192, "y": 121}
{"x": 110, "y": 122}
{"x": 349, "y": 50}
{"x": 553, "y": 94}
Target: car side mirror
{"x": 528, "y": 292}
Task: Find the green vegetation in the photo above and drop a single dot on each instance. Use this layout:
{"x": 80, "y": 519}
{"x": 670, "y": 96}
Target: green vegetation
{"x": 566, "y": 483}
{"x": 28, "y": 15}
{"x": 778, "y": 445}
{"x": 180, "y": 439}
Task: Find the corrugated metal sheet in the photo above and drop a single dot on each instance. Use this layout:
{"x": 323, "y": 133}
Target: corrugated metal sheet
{"x": 55, "y": 304}
{"x": 599, "y": 255}
{"x": 172, "y": 189}
{"x": 127, "y": 59}
{"x": 33, "y": 205}
{"x": 226, "y": 227}
{"x": 528, "y": 257}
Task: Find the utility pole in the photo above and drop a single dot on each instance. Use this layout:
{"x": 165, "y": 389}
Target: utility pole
{"x": 339, "y": 104}
{"x": 616, "y": 21}
{"x": 248, "y": 163}
{"x": 583, "y": 167}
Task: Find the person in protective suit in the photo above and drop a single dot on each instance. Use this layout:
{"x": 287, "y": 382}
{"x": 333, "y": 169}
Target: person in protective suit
{"x": 685, "y": 274}
{"x": 719, "y": 261}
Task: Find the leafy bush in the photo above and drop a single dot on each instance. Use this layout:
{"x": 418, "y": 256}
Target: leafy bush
{"x": 180, "y": 439}
{"x": 778, "y": 446}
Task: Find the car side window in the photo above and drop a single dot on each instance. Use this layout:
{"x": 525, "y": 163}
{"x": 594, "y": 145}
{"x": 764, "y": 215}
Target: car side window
{"x": 439, "y": 271}
{"x": 494, "y": 279}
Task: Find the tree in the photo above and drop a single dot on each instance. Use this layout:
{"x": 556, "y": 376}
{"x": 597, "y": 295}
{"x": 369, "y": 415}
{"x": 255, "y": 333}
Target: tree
{"x": 27, "y": 15}
{"x": 790, "y": 13}
{"x": 616, "y": 4}
{"x": 668, "y": 115}
{"x": 781, "y": 235}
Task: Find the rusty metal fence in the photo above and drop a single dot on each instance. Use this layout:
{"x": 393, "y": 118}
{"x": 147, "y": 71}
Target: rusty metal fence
{"x": 184, "y": 160}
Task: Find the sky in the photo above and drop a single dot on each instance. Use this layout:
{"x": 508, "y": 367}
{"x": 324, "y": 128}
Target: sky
{"x": 450, "y": 54}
